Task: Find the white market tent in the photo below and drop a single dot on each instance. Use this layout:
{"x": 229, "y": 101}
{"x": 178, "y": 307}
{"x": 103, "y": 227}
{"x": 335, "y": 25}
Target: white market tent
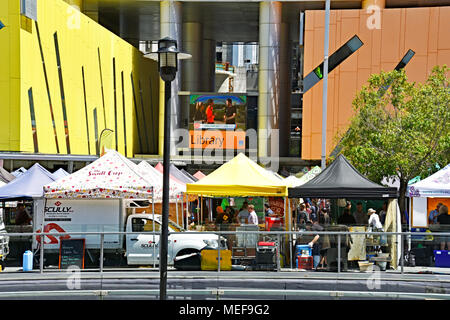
{"x": 156, "y": 178}
{"x": 112, "y": 176}
{"x": 293, "y": 181}
{"x": 435, "y": 186}
{"x": 60, "y": 173}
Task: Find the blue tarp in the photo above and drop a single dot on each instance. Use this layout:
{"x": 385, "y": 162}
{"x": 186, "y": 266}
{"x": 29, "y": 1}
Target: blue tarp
{"x": 28, "y": 185}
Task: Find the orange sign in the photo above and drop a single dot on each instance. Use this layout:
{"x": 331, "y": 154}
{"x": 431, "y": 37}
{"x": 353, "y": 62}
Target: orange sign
{"x": 215, "y": 139}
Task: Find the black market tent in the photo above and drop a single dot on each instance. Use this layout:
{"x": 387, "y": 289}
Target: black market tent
{"x": 341, "y": 180}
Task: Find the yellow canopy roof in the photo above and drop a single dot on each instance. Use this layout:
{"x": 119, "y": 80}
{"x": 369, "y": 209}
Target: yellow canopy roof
{"x": 239, "y": 177}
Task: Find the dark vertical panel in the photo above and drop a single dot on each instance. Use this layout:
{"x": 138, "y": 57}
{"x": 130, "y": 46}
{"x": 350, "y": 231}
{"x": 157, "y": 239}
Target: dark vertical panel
{"x": 33, "y": 120}
{"x": 96, "y": 131}
{"x": 143, "y": 116}
{"x": 124, "y": 113}
{"x": 101, "y": 86}
{"x": 115, "y": 103}
{"x": 86, "y": 111}
{"x": 137, "y": 114}
{"x": 63, "y": 97}
{"x": 47, "y": 86}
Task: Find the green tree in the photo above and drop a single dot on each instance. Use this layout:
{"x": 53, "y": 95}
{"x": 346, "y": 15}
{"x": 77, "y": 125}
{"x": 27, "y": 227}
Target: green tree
{"x": 400, "y": 128}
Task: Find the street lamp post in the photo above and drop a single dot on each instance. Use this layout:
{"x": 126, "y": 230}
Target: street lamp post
{"x": 325, "y": 86}
{"x": 167, "y": 57}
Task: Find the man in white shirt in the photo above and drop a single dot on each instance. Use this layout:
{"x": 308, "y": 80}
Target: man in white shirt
{"x": 252, "y": 217}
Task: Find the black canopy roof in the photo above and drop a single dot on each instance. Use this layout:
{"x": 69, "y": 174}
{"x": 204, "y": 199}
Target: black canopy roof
{"x": 342, "y": 180}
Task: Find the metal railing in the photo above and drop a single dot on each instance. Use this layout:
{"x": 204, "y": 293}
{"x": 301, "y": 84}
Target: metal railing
{"x": 400, "y": 240}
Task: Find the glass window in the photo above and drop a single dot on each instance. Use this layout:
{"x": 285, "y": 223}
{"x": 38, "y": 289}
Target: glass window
{"x": 144, "y": 225}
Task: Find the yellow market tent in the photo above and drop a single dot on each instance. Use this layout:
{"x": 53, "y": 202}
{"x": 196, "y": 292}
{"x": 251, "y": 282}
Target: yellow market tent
{"x": 239, "y": 177}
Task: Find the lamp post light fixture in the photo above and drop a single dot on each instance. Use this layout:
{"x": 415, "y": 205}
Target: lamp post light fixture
{"x": 167, "y": 57}
{"x": 99, "y": 150}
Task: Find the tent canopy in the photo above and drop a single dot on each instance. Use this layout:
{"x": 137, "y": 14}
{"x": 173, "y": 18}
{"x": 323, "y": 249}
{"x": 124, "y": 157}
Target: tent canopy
{"x": 172, "y": 174}
{"x": 239, "y": 177}
{"x": 187, "y": 174}
{"x": 5, "y": 176}
{"x": 199, "y": 175}
{"x": 293, "y": 181}
{"x": 436, "y": 185}
{"x": 156, "y": 178}
{"x": 110, "y": 176}
{"x": 60, "y": 173}
{"x": 341, "y": 180}
{"x": 19, "y": 172}
{"x": 177, "y": 173}
{"x": 28, "y": 185}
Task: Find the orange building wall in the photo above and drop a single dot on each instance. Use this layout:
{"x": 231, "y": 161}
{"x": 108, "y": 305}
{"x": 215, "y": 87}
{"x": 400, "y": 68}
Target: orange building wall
{"x": 424, "y": 30}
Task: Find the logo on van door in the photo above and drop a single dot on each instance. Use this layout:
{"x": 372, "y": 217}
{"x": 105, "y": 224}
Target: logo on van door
{"x": 58, "y": 208}
{"x": 150, "y": 244}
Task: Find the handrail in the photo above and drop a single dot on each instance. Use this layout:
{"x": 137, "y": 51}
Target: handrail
{"x": 220, "y": 233}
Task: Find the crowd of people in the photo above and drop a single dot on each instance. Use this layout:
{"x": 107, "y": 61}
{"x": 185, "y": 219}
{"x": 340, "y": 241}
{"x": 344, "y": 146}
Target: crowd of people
{"x": 314, "y": 215}
{"x": 245, "y": 215}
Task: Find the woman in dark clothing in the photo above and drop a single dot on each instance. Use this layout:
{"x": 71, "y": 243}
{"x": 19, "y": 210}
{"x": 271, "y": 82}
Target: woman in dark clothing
{"x": 347, "y": 218}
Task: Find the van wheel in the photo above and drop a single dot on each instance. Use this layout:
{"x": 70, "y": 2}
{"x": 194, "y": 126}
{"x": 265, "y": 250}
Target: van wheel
{"x": 186, "y": 251}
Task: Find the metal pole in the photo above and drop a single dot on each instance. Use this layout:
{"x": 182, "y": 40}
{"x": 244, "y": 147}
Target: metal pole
{"x": 176, "y": 208}
{"x": 41, "y": 260}
{"x": 290, "y": 234}
{"x": 325, "y": 85}
{"x": 218, "y": 253}
{"x": 153, "y": 222}
{"x": 339, "y": 254}
{"x": 401, "y": 252}
{"x": 102, "y": 238}
{"x": 165, "y": 198}
{"x": 278, "y": 253}
{"x": 187, "y": 212}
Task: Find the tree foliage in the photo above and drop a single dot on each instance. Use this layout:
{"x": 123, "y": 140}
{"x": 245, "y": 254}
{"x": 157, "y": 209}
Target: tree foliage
{"x": 399, "y": 128}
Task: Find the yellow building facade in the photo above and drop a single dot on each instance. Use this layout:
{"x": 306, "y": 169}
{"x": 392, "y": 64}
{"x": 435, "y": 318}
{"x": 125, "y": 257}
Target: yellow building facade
{"x": 65, "y": 79}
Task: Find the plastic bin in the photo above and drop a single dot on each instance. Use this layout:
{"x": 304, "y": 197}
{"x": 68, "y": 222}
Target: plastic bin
{"x": 442, "y": 258}
{"x": 305, "y": 263}
{"x": 274, "y": 222}
{"x": 303, "y": 249}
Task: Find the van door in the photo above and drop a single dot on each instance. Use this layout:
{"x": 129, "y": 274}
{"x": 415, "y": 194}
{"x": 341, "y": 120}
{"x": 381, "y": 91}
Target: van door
{"x": 143, "y": 248}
